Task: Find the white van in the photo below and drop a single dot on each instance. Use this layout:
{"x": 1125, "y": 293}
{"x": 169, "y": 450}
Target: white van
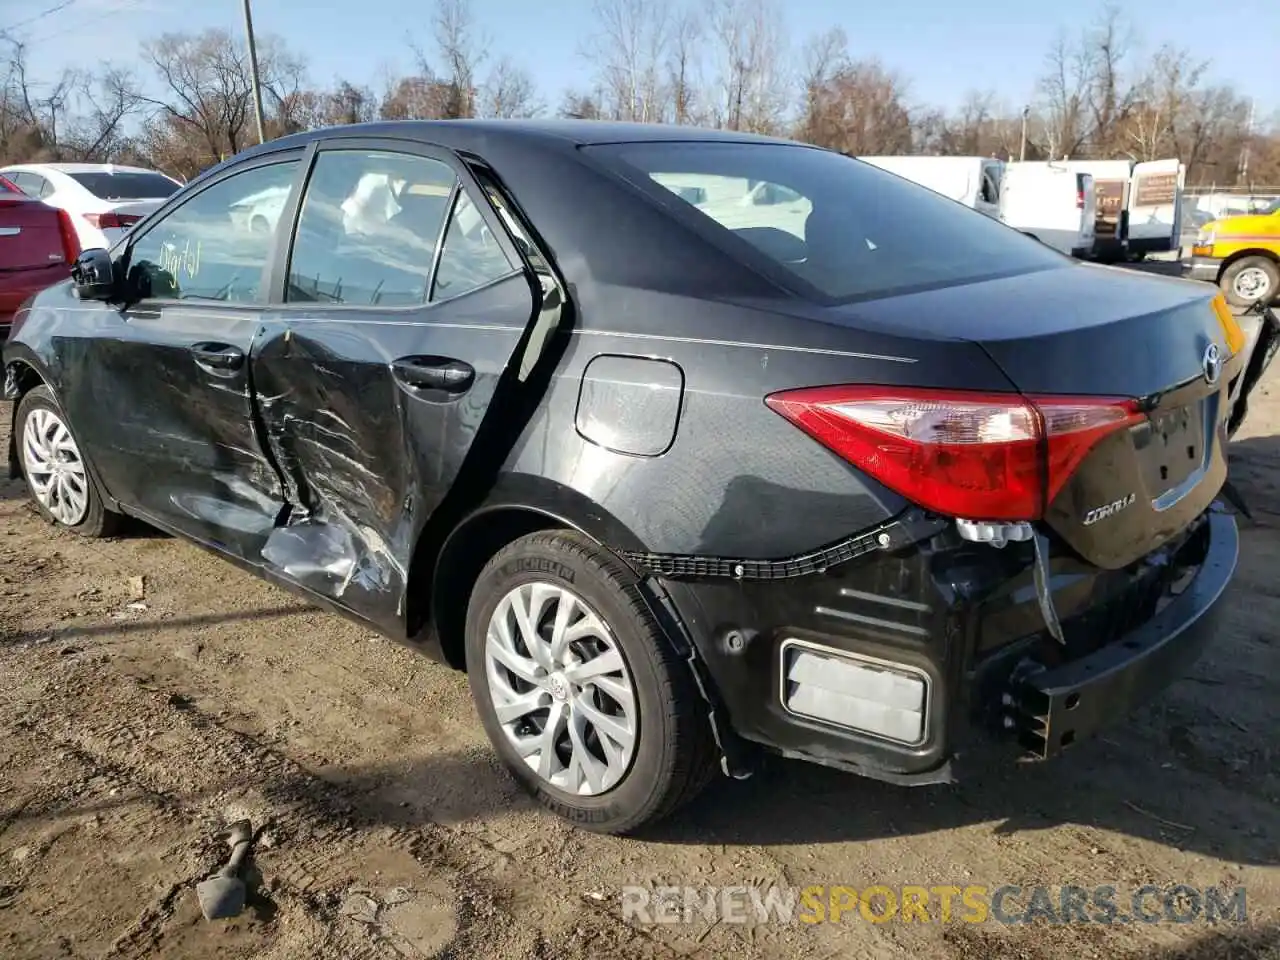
{"x": 1139, "y": 205}
{"x": 1052, "y": 203}
{"x": 973, "y": 181}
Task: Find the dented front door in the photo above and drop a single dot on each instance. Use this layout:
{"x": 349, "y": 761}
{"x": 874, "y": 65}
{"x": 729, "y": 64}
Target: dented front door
{"x": 402, "y": 309}
{"x": 161, "y": 391}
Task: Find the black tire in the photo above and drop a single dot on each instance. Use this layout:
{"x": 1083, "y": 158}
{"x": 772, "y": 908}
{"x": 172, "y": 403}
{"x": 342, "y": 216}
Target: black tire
{"x": 97, "y": 520}
{"x": 1228, "y": 280}
{"x": 674, "y": 755}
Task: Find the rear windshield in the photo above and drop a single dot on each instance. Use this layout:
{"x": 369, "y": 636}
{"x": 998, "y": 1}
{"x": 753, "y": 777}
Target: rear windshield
{"x": 846, "y": 228}
{"x": 126, "y": 186}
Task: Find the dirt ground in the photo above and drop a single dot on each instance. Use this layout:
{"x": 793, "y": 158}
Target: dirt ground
{"x": 138, "y": 718}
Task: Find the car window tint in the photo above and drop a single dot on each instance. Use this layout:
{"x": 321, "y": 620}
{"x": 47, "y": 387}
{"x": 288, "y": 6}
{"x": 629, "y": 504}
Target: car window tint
{"x": 847, "y": 229}
{"x": 471, "y": 256}
{"x": 368, "y": 230}
{"x": 214, "y": 246}
{"x": 126, "y": 186}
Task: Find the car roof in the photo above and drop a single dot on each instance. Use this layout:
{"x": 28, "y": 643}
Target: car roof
{"x": 475, "y": 135}
{"x": 76, "y": 168}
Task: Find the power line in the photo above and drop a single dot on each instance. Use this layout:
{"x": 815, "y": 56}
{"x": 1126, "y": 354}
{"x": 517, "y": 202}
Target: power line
{"x": 79, "y": 25}
{"x": 48, "y": 12}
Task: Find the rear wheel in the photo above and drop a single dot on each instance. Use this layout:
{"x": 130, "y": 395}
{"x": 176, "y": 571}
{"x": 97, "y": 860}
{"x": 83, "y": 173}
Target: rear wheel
{"x": 579, "y": 691}
{"x": 56, "y": 472}
{"x": 1249, "y": 280}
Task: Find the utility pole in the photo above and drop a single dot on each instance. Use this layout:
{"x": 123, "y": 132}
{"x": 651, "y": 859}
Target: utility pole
{"x": 1022, "y": 151}
{"x": 1242, "y": 173}
{"x": 253, "y": 71}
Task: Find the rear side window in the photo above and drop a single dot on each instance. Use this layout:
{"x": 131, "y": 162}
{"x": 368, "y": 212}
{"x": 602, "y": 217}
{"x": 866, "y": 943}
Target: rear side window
{"x": 471, "y": 256}
{"x": 369, "y": 227}
{"x": 126, "y": 186}
{"x": 844, "y": 228}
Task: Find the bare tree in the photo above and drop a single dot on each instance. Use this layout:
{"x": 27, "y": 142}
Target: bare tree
{"x": 108, "y": 100}
{"x": 822, "y": 56}
{"x": 462, "y": 51}
{"x": 416, "y": 97}
{"x": 752, "y": 85}
{"x": 1066, "y": 87}
{"x": 856, "y": 107}
{"x": 582, "y": 106}
{"x": 203, "y": 114}
{"x": 684, "y": 69}
{"x": 629, "y": 48}
{"x": 509, "y": 92}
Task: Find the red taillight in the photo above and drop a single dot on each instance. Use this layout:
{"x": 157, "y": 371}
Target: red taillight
{"x": 70, "y": 239}
{"x": 112, "y": 220}
{"x": 979, "y": 456}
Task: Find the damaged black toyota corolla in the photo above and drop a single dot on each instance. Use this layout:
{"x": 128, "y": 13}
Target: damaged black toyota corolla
{"x": 682, "y": 443}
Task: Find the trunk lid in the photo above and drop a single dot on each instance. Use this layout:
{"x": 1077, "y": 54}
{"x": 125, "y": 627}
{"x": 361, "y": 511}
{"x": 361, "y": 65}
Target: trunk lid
{"x": 1090, "y": 331}
{"x": 29, "y": 235}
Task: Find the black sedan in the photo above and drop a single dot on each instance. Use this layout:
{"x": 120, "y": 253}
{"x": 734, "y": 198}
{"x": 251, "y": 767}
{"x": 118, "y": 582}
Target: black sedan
{"x": 683, "y": 444}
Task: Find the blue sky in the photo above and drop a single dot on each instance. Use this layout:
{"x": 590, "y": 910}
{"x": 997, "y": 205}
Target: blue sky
{"x": 945, "y": 48}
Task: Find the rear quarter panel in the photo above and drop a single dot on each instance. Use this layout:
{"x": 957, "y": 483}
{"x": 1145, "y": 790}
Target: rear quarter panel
{"x": 737, "y": 480}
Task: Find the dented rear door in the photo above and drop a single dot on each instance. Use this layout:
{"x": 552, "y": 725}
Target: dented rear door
{"x": 401, "y": 306}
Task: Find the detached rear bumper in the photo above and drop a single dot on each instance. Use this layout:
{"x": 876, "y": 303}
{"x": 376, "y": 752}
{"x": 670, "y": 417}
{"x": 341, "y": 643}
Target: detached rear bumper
{"x": 870, "y": 667}
{"x": 1056, "y": 707}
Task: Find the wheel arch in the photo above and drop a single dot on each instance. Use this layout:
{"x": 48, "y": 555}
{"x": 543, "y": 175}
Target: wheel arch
{"x": 441, "y": 576}
{"x": 1249, "y": 252}
{"x": 22, "y": 374}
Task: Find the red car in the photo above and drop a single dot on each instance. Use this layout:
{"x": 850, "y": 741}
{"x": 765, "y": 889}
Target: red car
{"x": 37, "y": 247}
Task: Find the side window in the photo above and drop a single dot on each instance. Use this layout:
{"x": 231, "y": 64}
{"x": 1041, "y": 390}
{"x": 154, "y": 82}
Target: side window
{"x": 990, "y": 191}
{"x": 369, "y": 227}
{"x": 215, "y": 245}
{"x": 46, "y": 188}
{"x": 471, "y": 256}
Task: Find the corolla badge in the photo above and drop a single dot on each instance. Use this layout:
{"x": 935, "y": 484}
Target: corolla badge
{"x": 1108, "y": 510}
{"x": 1211, "y": 363}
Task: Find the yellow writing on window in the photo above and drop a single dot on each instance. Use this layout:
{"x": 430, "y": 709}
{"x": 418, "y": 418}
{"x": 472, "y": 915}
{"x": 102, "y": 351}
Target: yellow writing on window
{"x": 178, "y": 261}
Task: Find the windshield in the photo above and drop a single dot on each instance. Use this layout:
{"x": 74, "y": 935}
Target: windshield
{"x": 1267, "y": 209}
{"x": 126, "y": 186}
{"x": 844, "y": 227}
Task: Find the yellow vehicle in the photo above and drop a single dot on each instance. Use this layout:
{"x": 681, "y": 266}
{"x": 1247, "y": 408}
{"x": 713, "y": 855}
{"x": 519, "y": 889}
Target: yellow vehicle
{"x": 1241, "y": 255}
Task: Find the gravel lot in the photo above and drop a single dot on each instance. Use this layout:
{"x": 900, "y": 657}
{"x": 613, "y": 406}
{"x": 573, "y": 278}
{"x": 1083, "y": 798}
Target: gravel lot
{"x": 134, "y": 723}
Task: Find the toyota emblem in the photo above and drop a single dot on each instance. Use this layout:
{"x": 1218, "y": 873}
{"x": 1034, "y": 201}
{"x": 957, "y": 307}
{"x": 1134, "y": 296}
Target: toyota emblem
{"x": 1212, "y": 364}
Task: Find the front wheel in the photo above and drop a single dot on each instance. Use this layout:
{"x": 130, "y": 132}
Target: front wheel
{"x": 56, "y": 472}
{"x": 1249, "y": 280}
{"x": 580, "y": 692}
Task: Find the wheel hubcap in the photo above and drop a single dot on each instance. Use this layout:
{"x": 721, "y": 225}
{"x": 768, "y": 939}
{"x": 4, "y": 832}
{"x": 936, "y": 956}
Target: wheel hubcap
{"x": 55, "y": 470}
{"x": 561, "y": 689}
{"x": 1252, "y": 284}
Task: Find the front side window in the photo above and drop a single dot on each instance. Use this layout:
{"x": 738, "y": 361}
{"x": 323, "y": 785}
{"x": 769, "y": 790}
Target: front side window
{"x": 215, "y": 245}
{"x": 845, "y": 228}
{"x": 368, "y": 229}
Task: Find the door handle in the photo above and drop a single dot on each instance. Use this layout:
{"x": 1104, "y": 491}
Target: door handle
{"x": 434, "y": 373}
{"x": 218, "y": 357}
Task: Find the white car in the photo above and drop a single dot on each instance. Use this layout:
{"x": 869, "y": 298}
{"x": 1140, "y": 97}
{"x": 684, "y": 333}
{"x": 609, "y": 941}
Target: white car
{"x": 104, "y": 199}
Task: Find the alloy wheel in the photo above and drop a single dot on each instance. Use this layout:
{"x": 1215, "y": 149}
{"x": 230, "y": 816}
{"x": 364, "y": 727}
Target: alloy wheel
{"x": 54, "y": 467}
{"x": 560, "y": 688}
{"x": 1252, "y": 283}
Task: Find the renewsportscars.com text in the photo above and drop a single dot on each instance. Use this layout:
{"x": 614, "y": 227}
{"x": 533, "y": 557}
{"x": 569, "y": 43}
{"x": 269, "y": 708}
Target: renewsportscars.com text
{"x": 971, "y": 903}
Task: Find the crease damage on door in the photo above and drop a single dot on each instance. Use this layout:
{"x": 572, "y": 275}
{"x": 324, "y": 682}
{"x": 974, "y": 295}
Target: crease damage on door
{"x": 344, "y": 492}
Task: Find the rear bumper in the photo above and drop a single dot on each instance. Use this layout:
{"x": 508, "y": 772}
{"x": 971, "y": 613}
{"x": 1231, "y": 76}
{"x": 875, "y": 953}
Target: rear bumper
{"x": 875, "y": 612}
{"x": 1203, "y": 268}
{"x": 1053, "y": 708}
